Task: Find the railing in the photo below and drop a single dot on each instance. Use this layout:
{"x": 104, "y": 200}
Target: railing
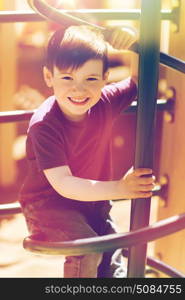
{"x": 73, "y": 17}
{"x": 98, "y": 14}
{"x": 138, "y": 237}
{"x": 10, "y": 209}
{"x": 108, "y": 242}
{"x": 114, "y": 241}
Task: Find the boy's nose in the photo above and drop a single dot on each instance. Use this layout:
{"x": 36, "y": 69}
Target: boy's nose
{"x": 78, "y": 87}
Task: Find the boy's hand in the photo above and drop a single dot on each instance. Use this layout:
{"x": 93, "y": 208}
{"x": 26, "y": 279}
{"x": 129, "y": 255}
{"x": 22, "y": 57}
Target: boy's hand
{"x": 120, "y": 37}
{"x": 134, "y": 185}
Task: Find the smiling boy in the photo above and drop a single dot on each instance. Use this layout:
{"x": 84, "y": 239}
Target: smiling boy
{"x": 76, "y": 92}
{"x": 70, "y": 182}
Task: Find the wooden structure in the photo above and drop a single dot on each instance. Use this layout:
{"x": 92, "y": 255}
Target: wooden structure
{"x": 7, "y": 90}
{"x": 171, "y": 249}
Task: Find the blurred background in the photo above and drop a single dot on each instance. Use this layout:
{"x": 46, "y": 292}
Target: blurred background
{"x": 22, "y": 88}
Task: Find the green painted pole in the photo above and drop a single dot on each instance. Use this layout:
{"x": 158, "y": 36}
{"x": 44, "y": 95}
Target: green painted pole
{"x": 147, "y": 93}
{"x": 98, "y": 14}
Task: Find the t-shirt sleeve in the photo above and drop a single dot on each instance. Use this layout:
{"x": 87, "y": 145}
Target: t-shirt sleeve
{"x": 48, "y": 147}
{"x": 120, "y": 95}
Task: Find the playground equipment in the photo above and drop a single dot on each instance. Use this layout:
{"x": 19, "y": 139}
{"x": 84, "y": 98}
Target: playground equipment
{"x": 150, "y": 57}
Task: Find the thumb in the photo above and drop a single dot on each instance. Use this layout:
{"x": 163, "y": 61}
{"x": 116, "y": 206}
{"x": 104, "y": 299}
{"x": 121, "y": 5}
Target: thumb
{"x": 129, "y": 172}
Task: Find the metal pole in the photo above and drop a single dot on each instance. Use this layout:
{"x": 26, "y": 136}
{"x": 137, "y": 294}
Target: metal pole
{"x": 148, "y": 79}
{"x": 98, "y": 14}
{"x": 165, "y": 59}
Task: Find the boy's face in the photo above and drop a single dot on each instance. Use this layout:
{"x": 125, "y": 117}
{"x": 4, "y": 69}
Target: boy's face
{"x": 77, "y": 90}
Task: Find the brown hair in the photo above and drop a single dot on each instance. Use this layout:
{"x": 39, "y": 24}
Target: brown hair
{"x": 72, "y": 47}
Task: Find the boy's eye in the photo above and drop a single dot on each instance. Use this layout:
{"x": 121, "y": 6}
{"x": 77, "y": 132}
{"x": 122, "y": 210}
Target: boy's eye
{"x": 91, "y": 79}
{"x": 67, "y": 78}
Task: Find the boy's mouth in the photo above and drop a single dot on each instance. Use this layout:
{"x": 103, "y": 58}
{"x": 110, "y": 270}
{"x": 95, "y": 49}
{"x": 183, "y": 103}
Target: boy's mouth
{"x": 78, "y": 101}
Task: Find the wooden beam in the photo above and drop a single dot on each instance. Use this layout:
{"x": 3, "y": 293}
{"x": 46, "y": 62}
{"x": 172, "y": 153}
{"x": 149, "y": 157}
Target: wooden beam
{"x": 7, "y": 90}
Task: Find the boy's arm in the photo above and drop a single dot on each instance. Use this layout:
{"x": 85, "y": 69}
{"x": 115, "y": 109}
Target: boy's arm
{"x": 132, "y": 185}
{"x": 122, "y": 38}
{"x": 134, "y": 66}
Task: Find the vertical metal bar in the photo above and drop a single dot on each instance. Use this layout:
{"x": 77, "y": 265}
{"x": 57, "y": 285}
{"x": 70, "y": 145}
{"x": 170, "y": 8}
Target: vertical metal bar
{"x": 147, "y": 93}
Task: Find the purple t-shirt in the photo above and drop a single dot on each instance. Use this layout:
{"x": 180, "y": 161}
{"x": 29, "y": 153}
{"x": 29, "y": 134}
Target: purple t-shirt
{"x": 84, "y": 146}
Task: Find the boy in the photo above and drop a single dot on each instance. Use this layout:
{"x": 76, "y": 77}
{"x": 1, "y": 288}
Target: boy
{"x": 69, "y": 184}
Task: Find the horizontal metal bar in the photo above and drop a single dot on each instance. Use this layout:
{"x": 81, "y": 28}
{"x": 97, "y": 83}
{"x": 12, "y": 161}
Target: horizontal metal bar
{"x": 15, "y": 116}
{"x": 108, "y": 242}
{"x": 10, "y": 209}
{"x": 19, "y": 16}
{"x": 164, "y": 268}
{"x": 9, "y": 16}
{"x": 160, "y": 266}
{"x": 165, "y": 59}
{"x": 172, "y": 62}
{"x": 99, "y": 14}
{"x": 162, "y": 105}
{"x": 22, "y": 115}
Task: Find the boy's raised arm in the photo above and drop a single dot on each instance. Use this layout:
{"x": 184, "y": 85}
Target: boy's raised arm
{"x": 122, "y": 38}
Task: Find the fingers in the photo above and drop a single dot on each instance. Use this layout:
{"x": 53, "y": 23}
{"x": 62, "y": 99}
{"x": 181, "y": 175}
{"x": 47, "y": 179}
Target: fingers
{"x": 115, "y": 38}
{"x": 143, "y": 171}
{"x": 121, "y": 38}
{"x": 139, "y": 183}
{"x": 122, "y": 42}
{"x": 145, "y": 185}
{"x": 147, "y": 188}
{"x": 147, "y": 180}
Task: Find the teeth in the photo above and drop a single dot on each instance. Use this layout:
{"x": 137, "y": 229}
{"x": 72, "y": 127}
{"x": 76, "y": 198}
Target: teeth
{"x": 78, "y": 100}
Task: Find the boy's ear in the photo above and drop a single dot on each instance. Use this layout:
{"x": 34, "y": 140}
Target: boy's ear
{"x": 106, "y": 75}
{"x": 47, "y": 76}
